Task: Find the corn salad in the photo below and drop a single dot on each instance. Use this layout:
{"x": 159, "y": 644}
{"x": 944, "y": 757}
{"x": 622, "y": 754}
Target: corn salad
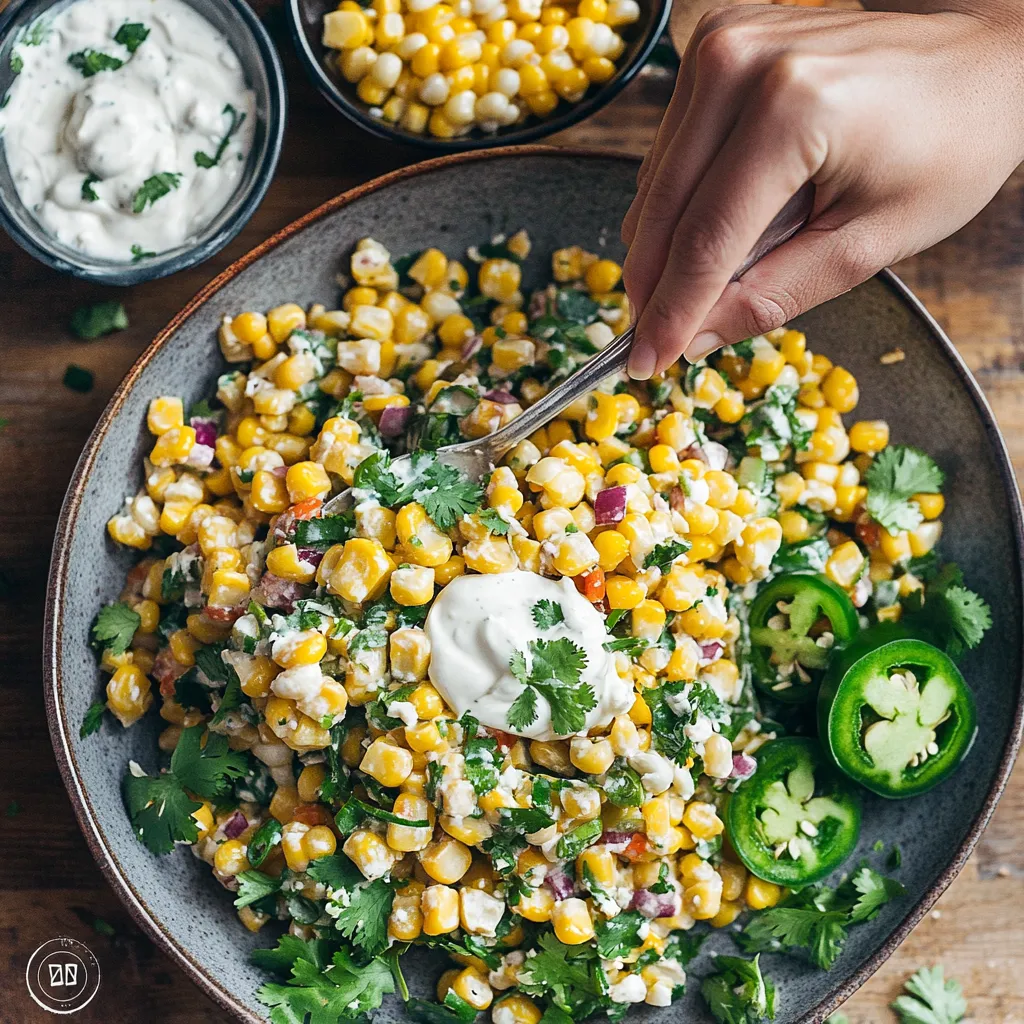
{"x": 445, "y": 69}
{"x": 317, "y": 769}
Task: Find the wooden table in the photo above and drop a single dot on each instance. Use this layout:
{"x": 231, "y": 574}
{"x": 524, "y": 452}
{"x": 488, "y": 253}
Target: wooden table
{"x": 49, "y": 885}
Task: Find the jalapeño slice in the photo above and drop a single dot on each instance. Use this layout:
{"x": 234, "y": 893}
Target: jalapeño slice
{"x": 898, "y": 719}
{"x": 795, "y": 623}
{"x": 796, "y": 819}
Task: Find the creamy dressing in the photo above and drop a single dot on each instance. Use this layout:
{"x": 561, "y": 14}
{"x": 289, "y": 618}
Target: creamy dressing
{"x": 477, "y": 623}
{"x": 69, "y": 136}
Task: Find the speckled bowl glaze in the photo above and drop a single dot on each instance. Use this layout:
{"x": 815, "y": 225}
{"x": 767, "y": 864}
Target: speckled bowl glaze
{"x": 305, "y": 17}
{"x": 930, "y": 400}
{"x": 261, "y": 65}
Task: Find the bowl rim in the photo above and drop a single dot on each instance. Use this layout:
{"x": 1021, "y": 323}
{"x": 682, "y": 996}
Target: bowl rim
{"x": 60, "y": 731}
{"x": 351, "y": 108}
{"x": 152, "y": 270}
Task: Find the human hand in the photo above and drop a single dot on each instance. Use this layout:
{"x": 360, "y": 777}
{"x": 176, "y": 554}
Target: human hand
{"x": 907, "y": 124}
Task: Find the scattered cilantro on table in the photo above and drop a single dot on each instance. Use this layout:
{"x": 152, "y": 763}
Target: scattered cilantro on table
{"x": 897, "y": 473}
{"x": 159, "y": 806}
{"x": 90, "y": 322}
{"x": 553, "y": 672}
{"x": 931, "y": 999}
{"x": 77, "y": 378}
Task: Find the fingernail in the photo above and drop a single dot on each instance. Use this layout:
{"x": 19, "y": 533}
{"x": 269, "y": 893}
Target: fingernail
{"x": 642, "y": 360}
{"x": 702, "y": 344}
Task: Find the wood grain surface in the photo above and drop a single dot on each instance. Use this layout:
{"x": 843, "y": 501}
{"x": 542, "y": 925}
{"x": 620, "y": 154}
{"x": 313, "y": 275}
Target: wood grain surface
{"x": 49, "y": 885}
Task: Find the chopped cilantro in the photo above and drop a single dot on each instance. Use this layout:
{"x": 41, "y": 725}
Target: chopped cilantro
{"x": 131, "y": 35}
{"x": 89, "y": 322}
{"x": 138, "y": 253}
{"x": 88, "y": 192}
{"x": 355, "y": 810}
{"x": 364, "y": 919}
{"x": 204, "y": 160}
{"x": 482, "y": 762}
{"x": 669, "y": 727}
{"x": 76, "y": 378}
{"x": 897, "y": 473}
{"x": 633, "y": 646}
{"x": 664, "y": 555}
{"x": 562, "y": 974}
{"x": 931, "y": 999}
{"x": 619, "y": 935}
{"x": 772, "y": 424}
{"x": 547, "y": 614}
{"x": 367, "y": 639}
{"x": 153, "y": 188}
{"x": 574, "y": 842}
{"x": 554, "y": 673}
{"x": 738, "y": 993}
{"x": 114, "y": 628}
{"x": 91, "y": 62}
{"x": 93, "y": 719}
{"x": 254, "y": 886}
{"x": 491, "y": 518}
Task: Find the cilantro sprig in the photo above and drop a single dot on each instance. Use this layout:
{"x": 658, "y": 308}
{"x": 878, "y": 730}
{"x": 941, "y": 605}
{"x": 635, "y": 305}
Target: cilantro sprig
{"x": 114, "y": 628}
{"x": 153, "y": 188}
{"x": 931, "y": 999}
{"x": 161, "y": 807}
{"x": 817, "y": 920}
{"x": 547, "y": 614}
{"x": 552, "y": 672}
{"x": 950, "y": 611}
{"x": 738, "y": 993}
{"x": 897, "y": 473}
{"x": 90, "y": 322}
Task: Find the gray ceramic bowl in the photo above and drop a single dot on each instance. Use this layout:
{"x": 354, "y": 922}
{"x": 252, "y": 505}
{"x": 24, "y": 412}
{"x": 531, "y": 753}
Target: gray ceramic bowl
{"x": 306, "y": 20}
{"x": 930, "y": 400}
{"x": 262, "y": 67}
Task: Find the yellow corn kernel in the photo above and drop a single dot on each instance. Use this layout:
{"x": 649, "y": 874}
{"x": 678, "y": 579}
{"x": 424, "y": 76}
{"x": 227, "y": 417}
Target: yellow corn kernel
{"x": 869, "y": 436}
{"x": 423, "y": 737}
{"x": 427, "y": 701}
{"x": 129, "y": 694}
{"x": 789, "y": 487}
{"x": 844, "y": 564}
{"x": 412, "y": 584}
{"x": 517, "y": 1008}
{"x": 734, "y": 879}
{"x": 759, "y": 894}
{"x": 165, "y": 414}
{"x": 454, "y": 567}
{"x": 411, "y": 807}
{"x": 894, "y": 546}
{"x": 499, "y": 279}
{"x": 284, "y": 561}
{"x": 471, "y": 985}
{"x": 203, "y": 817}
{"x": 446, "y": 860}
{"x": 406, "y": 921}
{"x": 183, "y": 647}
{"x": 702, "y": 820}
{"x": 440, "y": 906}
{"x": 362, "y": 572}
{"x": 423, "y": 543}
{"x": 593, "y": 756}
{"x": 931, "y": 505}
{"x": 388, "y": 764}
{"x": 572, "y": 921}
{"x": 307, "y": 480}
{"x": 282, "y": 320}
{"x": 269, "y": 493}
{"x": 703, "y": 900}
{"x": 306, "y": 648}
{"x": 409, "y": 649}
{"x": 309, "y": 782}
{"x": 173, "y": 446}
{"x": 284, "y": 801}
{"x": 612, "y": 547}
{"x": 537, "y": 905}
{"x": 369, "y": 853}
{"x": 602, "y": 275}
{"x": 149, "y": 616}
{"x": 228, "y": 588}
{"x": 924, "y": 538}
{"x": 840, "y": 389}
{"x": 230, "y": 859}
{"x": 624, "y": 593}
{"x": 319, "y": 842}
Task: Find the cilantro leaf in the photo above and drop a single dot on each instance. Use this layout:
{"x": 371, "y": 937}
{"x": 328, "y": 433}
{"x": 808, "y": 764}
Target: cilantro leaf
{"x": 968, "y": 614}
{"x": 153, "y": 188}
{"x": 335, "y": 871}
{"x": 344, "y": 991}
{"x": 674, "y": 706}
{"x": 738, "y": 993}
{"x": 632, "y": 646}
{"x": 481, "y": 757}
{"x": 554, "y": 672}
{"x": 931, "y": 999}
{"x": 664, "y": 555}
{"x": 132, "y": 34}
{"x": 254, "y": 886}
{"x": 874, "y": 891}
{"x": 772, "y": 424}
{"x": 206, "y": 771}
{"x": 492, "y": 519}
{"x": 160, "y": 811}
{"x": 114, "y": 628}
{"x": 91, "y": 62}
{"x": 89, "y": 322}
{"x": 562, "y": 974}
{"x": 92, "y": 719}
{"x": 365, "y": 919}
{"x": 897, "y": 473}
{"x": 88, "y": 192}
{"x": 204, "y": 160}
{"x": 290, "y": 948}
{"x": 77, "y": 378}
{"x": 619, "y": 935}
{"x": 325, "y": 530}
{"x": 138, "y": 253}
{"x": 951, "y": 611}
{"x": 547, "y": 614}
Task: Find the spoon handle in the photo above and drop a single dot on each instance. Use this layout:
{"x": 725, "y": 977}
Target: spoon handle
{"x": 614, "y": 357}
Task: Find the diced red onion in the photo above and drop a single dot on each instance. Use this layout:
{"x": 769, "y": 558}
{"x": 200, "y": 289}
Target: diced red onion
{"x": 711, "y": 651}
{"x": 394, "y": 419}
{"x": 280, "y": 471}
{"x": 206, "y": 430}
{"x": 677, "y": 499}
{"x": 472, "y": 346}
{"x": 218, "y": 614}
{"x": 235, "y": 825}
{"x": 275, "y": 592}
{"x": 610, "y": 506}
{"x": 310, "y": 556}
{"x": 743, "y": 766}
{"x": 655, "y": 904}
{"x": 616, "y": 841}
{"x": 501, "y": 397}
{"x": 560, "y": 884}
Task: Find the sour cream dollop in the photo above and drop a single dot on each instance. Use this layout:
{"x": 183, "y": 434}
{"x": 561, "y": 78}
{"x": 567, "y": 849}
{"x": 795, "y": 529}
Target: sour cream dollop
{"x": 127, "y": 127}
{"x": 478, "y": 622}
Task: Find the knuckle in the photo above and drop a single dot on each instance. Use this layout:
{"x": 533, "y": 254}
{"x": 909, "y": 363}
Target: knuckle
{"x": 717, "y": 18}
{"x": 727, "y": 49}
{"x": 703, "y": 250}
{"x": 856, "y": 258}
{"x": 769, "y": 309}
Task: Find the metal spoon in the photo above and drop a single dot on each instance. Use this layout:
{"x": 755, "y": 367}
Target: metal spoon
{"x": 478, "y": 457}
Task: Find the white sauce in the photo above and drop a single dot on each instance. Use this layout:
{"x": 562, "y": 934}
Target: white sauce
{"x": 148, "y": 117}
{"x": 478, "y": 621}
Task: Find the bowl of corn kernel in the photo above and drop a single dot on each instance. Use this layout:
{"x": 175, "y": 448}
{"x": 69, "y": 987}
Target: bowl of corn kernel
{"x": 473, "y": 73}
{"x": 573, "y": 740}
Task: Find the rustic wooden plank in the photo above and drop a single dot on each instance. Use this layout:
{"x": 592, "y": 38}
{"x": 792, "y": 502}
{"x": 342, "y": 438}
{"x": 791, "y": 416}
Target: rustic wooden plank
{"x": 973, "y": 283}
